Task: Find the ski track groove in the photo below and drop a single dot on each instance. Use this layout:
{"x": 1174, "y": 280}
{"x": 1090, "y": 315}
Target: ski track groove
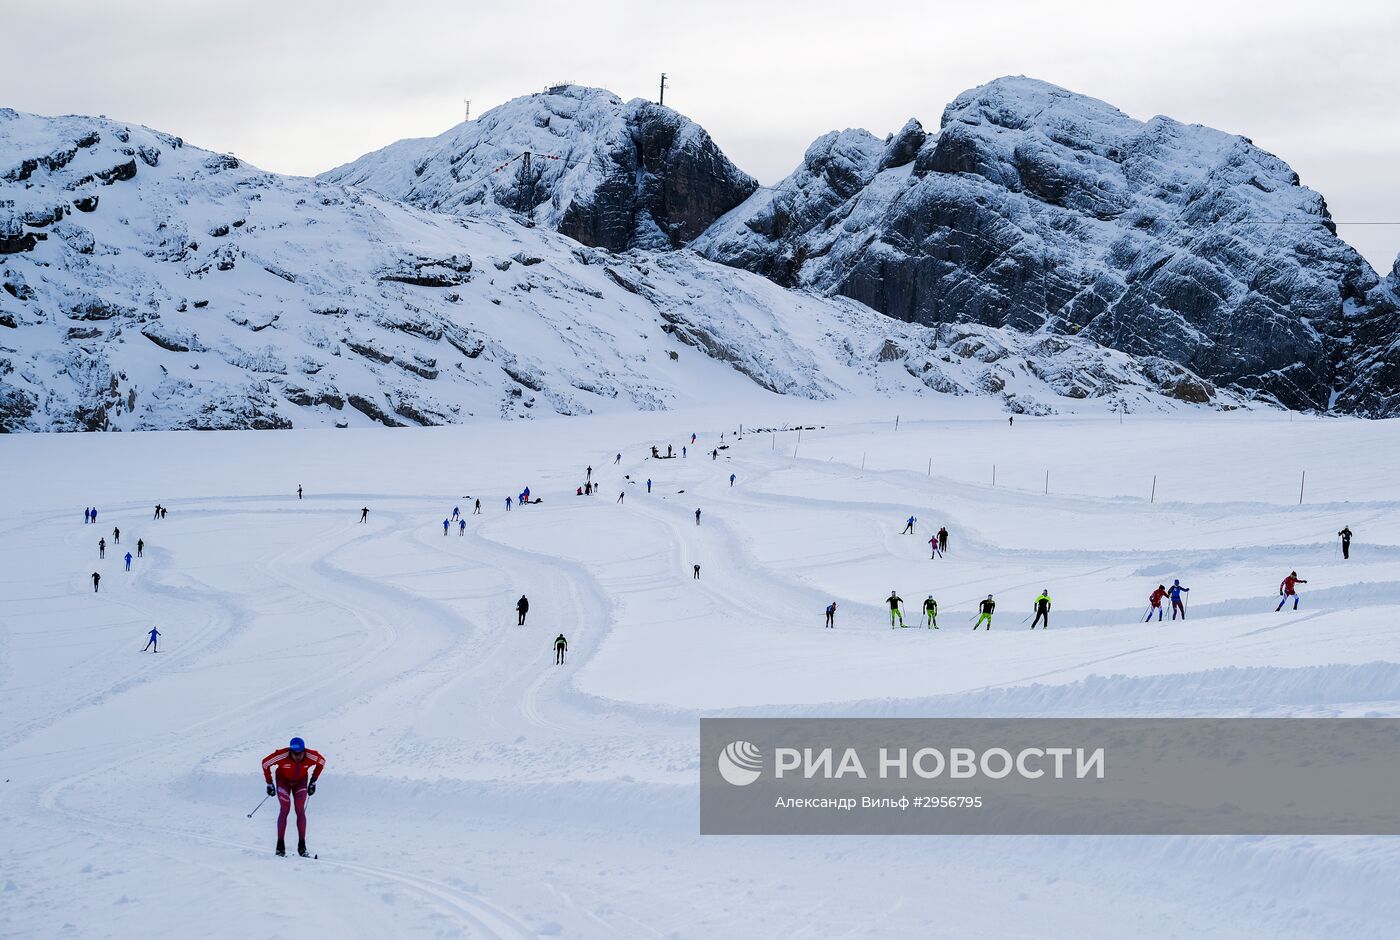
{"x": 586, "y": 605}
{"x": 379, "y": 636}
{"x": 476, "y": 914}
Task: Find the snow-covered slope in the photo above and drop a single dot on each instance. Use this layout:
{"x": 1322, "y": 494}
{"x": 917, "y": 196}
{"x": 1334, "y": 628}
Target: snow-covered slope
{"x": 608, "y": 173}
{"x": 1041, "y": 209}
{"x": 150, "y": 285}
{"x": 474, "y": 789}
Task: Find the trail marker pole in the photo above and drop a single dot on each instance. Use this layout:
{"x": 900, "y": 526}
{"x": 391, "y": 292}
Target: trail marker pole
{"x": 1154, "y": 489}
{"x": 1300, "y": 484}
{"x": 1047, "y": 482}
{"x": 896, "y": 422}
{"x": 862, "y": 460}
{"x": 930, "y": 467}
{"x": 994, "y": 474}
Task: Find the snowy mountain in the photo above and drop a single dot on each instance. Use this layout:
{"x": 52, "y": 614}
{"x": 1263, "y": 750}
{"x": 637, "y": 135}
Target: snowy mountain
{"x": 1043, "y": 210}
{"x": 1374, "y": 344}
{"x": 148, "y": 284}
{"x": 605, "y": 172}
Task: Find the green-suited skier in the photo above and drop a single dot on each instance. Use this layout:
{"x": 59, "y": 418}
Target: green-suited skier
{"x": 894, "y": 600}
{"x": 931, "y": 612}
{"x": 1042, "y": 609}
{"x": 985, "y": 611}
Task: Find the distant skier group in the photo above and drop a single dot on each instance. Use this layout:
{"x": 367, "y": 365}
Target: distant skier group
{"x": 1162, "y": 592}
{"x": 1040, "y": 606}
{"x": 937, "y": 543}
{"x": 895, "y": 602}
{"x": 90, "y": 517}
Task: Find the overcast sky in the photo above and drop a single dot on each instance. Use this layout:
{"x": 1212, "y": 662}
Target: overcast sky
{"x": 300, "y": 86}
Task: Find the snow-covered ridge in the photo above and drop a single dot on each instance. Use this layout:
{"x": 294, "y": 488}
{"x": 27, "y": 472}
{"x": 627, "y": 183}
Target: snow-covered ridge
{"x": 148, "y": 284}
{"x": 608, "y": 173}
{"x": 1043, "y": 210}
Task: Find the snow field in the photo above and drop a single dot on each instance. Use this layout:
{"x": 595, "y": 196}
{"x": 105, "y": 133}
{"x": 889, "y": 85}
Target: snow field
{"x": 475, "y": 789}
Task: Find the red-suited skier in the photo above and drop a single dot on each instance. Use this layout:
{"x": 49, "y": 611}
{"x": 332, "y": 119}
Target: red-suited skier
{"x": 1154, "y": 601}
{"x": 1289, "y": 588}
{"x": 291, "y": 775}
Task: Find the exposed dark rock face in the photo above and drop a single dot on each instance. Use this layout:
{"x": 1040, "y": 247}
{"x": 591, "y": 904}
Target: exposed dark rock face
{"x": 22, "y": 241}
{"x": 1369, "y": 381}
{"x": 663, "y": 191}
{"x": 427, "y": 272}
{"x": 1038, "y": 209}
{"x": 903, "y": 147}
{"x": 94, "y": 307}
{"x": 119, "y": 173}
{"x": 167, "y": 338}
{"x": 307, "y": 398}
{"x": 372, "y": 410}
{"x": 368, "y": 351}
{"x": 608, "y": 173}
{"x": 16, "y": 407}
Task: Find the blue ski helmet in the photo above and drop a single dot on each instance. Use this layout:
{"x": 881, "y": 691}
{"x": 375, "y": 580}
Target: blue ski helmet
{"x": 297, "y": 744}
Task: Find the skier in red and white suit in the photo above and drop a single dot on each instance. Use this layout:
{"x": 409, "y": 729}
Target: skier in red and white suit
{"x": 291, "y": 775}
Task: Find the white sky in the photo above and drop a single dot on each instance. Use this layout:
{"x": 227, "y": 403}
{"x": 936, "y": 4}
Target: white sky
{"x": 300, "y": 86}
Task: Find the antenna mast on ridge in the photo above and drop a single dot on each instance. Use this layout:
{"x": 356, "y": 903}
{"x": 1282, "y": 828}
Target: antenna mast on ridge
{"x": 662, "y": 100}
{"x": 467, "y": 105}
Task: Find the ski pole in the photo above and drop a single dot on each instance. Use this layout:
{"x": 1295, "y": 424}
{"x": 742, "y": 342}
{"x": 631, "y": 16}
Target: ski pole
{"x": 259, "y": 806}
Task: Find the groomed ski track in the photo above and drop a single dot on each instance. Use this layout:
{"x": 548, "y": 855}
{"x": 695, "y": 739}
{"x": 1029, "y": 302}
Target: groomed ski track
{"x": 474, "y": 789}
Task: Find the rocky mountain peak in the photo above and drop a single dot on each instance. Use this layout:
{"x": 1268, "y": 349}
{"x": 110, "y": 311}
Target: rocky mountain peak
{"x": 608, "y": 173}
{"x": 904, "y": 145}
{"x": 1048, "y": 211}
